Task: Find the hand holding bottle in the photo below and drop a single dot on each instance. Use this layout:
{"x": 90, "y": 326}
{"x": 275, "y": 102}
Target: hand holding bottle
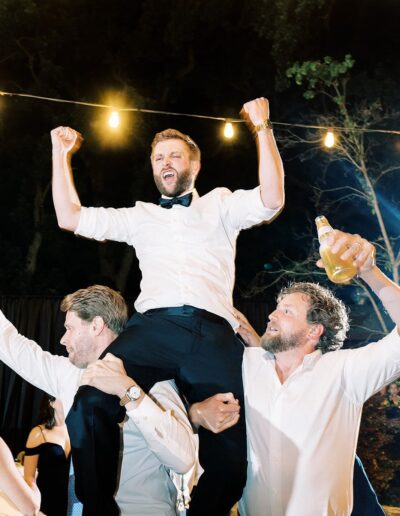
{"x": 356, "y": 252}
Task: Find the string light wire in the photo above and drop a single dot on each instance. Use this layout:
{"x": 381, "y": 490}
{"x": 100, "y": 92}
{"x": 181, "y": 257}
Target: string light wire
{"x": 192, "y": 115}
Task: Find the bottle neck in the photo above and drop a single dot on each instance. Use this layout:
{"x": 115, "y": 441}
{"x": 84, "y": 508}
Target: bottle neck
{"x": 323, "y": 232}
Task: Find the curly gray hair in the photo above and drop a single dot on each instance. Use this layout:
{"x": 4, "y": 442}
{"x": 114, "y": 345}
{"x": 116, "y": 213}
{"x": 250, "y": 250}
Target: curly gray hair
{"x": 324, "y": 308}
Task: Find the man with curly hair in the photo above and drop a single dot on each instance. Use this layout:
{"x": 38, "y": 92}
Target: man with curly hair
{"x": 304, "y": 396}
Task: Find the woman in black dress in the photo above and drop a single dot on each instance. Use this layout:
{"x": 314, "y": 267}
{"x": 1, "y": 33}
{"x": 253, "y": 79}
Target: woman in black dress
{"x": 48, "y": 451}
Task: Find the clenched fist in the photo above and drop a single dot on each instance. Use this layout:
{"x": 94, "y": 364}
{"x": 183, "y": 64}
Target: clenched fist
{"x": 66, "y": 140}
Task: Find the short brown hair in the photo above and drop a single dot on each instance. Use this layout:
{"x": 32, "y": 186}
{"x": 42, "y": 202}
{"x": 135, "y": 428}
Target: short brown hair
{"x": 98, "y": 301}
{"x": 324, "y": 308}
{"x": 174, "y": 134}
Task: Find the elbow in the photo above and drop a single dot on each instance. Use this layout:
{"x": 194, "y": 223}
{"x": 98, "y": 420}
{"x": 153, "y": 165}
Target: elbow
{"x": 187, "y": 461}
{"x": 62, "y": 224}
{"x": 184, "y": 467}
{"x": 276, "y": 204}
{"x": 68, "y": 222}
{"x": 31, "y": 509}
{"x": 35, "y": 510}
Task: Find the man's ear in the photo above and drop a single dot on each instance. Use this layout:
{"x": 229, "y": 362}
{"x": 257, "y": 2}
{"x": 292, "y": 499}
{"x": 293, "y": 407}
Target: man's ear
{"x": 98, "y": 324}
{"x": 195, "y": 166}
{"x": 317, "y": 330}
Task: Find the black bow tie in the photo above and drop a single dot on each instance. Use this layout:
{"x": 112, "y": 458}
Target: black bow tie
{"x": 184, "y": 200}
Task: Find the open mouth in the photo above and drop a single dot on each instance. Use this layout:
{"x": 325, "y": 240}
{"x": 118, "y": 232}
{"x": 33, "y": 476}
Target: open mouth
{"x": 168, "y": 175}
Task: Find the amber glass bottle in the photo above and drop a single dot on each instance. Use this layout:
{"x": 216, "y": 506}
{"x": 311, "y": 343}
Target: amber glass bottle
{"x": 337, "y": 270}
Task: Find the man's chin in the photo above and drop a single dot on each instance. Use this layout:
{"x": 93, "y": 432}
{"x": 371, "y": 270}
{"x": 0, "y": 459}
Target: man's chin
{"x": 171, "y": 191}
{"x": 77, "y": 363}
{"x": 276, "y": 344}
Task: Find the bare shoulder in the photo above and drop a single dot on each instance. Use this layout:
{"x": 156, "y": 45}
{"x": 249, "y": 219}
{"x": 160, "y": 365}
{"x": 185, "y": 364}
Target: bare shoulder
{"x": 35, "y": 437}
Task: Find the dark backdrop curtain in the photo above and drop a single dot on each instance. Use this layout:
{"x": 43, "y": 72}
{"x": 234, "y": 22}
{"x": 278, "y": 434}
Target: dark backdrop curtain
{"x": 40, "y": 319}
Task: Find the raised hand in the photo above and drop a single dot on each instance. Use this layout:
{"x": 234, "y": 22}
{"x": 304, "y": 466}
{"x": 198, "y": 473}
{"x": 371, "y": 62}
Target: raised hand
{"x": 255, "y": 112}
{"x": 346, "y": 246}
{"x": 66, "y": 140}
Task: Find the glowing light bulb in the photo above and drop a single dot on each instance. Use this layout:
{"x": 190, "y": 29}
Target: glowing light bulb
{"x": 228, "y": 130}
{"x": 329, "y": 140}
{"x": 113, "y": 121}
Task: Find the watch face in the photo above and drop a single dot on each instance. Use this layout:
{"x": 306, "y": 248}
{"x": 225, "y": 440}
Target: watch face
{"x": 134, "y": 392}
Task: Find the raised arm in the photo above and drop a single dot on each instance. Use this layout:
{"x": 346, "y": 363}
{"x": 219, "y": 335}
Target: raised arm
{"x": 53, "y": 374}
{"x": 66, "y": 142}
{"x": 26, "y": 498}
{"x": 363, "y": 254}
{"x": 270, "y": 168}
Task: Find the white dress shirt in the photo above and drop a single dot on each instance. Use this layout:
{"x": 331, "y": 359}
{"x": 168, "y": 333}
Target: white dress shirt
{"x": 186, "y": 254}
{"x": 302, "y": 434}
{"x": 155, "y": 439}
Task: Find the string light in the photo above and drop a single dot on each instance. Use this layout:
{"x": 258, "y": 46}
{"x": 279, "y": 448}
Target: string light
{"x": 228, "y": 130}
{"x": 114, "y": 120}
{"x": 192, "y": 115}
{"x": 329, "y": 140}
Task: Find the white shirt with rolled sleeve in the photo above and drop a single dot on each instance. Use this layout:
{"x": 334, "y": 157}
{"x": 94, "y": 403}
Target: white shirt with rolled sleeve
{"x": 157, "y": 437}
{"x": 186, "y": 254}
{"x": 302, "y": 434}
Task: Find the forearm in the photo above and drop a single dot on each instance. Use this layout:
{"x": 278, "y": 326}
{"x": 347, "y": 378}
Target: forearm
{"x": 30, "y": 466}
{"x": 387, "y": 291}
{"x": 65, "y": 197}
{"x": 167, "y": 432}
{"x": 271, "y": 173}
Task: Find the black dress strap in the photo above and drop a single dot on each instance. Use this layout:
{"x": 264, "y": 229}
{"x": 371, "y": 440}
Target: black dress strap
{"x": 41, "y": 431}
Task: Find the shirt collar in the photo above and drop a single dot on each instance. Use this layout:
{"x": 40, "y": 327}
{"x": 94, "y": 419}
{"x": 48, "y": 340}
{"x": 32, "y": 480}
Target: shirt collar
{"x": 193, "y": 192}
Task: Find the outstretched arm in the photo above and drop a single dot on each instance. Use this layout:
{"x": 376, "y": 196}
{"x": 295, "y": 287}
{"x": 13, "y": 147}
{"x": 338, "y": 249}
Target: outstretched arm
{"x": 363, "y": 254}
{"x": 270, "y": 168}
{"x": 66, "y": 142}
{"x": 26, "y": 498}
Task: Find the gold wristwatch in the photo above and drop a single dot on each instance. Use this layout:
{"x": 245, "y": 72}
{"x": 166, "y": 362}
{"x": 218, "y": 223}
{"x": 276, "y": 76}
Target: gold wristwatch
{"x": 267, "y": 124}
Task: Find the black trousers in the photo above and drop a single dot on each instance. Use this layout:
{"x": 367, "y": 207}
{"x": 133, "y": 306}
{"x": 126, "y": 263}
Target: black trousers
{"x": 201, "y": 352}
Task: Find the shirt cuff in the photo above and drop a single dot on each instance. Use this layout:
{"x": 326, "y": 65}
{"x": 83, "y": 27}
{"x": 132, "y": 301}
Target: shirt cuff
{"x": 83, "y": 223}
{"x": 147, "y": 414}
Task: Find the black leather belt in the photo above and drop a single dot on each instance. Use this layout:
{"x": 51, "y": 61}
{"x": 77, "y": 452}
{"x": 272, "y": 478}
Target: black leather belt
{"x": 187, "y": 311}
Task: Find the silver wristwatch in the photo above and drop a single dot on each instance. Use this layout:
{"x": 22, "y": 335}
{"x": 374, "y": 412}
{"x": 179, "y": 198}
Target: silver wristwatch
{"x": 132, "y": 394}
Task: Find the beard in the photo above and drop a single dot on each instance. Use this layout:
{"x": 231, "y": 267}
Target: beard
{"x": 183, "y": 182}
{"x": 278, "y": 343}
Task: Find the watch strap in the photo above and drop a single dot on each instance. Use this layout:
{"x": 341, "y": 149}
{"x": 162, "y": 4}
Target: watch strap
{"x": 130, "y": 397}
{"x": 266, "y": 124}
